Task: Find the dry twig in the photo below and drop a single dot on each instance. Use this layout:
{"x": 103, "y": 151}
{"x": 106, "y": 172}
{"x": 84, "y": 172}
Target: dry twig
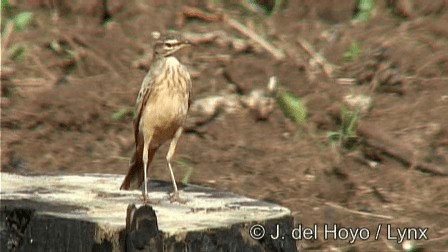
{"x": 6, "y": 72}
{"x": 86, "y": 50}
{"x": 7, "y": 36}
{"x": 277, "y": 53}
{"x": 432, "y": 60}
{"x": 327, "y": 67}
{"x": 43, "y": 68}
{"x": 377, "y": 139}
{"x": 191, "y": 12}
{"x": 103, "y": 62}
{"x": 200, "y": 38}
{"x": 79, "y": 52}
{"x": 359, "y": 212}
{"x": 346, "y": 81}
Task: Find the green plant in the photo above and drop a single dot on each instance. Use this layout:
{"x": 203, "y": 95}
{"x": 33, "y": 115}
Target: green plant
{"x": 22, "y": 20}
{"x": 346, "y": 136}
{"x": 292, "y": 107}
{"x": 353, "y": 52}
{"x": 364, "y": 10}
{"x": 19, "y": 22}
{"x": 185, "y": 164}
{"x": 121, "y": 114}
{"x": 5, "y": 5}
{"x": 16, "y": 52}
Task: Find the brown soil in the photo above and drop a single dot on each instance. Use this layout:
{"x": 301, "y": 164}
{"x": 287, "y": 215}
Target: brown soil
{"x": 58, "y": 107}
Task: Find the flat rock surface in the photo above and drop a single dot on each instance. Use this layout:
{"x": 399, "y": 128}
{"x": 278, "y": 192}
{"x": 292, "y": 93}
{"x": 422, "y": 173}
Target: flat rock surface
{"x": 97, "y": 198}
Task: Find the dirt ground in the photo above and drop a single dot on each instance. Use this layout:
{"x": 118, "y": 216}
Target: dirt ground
{"x": 66, "y": 102}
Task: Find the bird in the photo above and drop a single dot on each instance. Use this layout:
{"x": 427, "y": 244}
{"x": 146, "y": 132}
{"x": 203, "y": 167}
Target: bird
{"x": 160, "y": 112}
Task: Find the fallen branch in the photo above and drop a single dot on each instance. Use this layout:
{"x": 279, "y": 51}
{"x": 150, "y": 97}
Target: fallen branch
{"x": 78, "y": 52}
{"x": 376, "y": 138}
{"x": 86, "y": 50}
{"x": 191, "y": 12}
{"x": 34, "y": 85}
{"x": 7, "y": 36}
{"x": 388, "y": 217}
{"x": 221, "y": 39}
{"x": 433, "y": 59}
{"x": 277, "y": 53}
{"x": 327, "y": 67}
{"x": 200, "y": 38}
{"x": 103, "y": 62}
{"x": 44, "y": 69}
{"x": 215, "y": 58}
{"x": 441, "y": 79}
{"x": 4, "y": 102}
{"x": 346, "y": 81}
{"x": 31, "y": 82}
{"x": 6, "y": 72}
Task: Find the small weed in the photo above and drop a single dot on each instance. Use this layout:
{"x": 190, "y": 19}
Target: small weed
{"x": 346, "y": 136}
{"x": 22, "y": 20}
{"x": 5, "y": 5}
{"x": 17, "y": 52}
{"x": 353, "y": 52}
{"x": 121, "y": 114}
{"x": 292, "y": 107}
{"x": 186, "y": 165}
{"x": 15, "y": 23}
{"x": 364, "y": 10}
{"x": 56, "y": 47}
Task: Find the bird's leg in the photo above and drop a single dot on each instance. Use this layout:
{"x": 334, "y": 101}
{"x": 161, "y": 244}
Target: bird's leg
{"x": 145, "y": 172}
{"x": 146, "y": 141}
{"x": 175, "y": 196}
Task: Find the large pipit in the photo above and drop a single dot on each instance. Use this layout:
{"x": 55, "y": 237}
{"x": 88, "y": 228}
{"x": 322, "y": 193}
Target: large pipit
{"x": 161, "y": 109}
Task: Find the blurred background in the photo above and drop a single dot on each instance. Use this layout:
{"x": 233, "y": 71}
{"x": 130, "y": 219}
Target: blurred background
{"x": 335, "y": 109}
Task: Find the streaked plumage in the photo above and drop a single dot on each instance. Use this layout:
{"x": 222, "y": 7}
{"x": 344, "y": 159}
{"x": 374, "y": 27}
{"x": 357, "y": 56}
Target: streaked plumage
{"x": 161, "y": 108}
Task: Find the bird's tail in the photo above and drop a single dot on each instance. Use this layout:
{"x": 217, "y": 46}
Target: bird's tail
{"x": 135, "y": 176}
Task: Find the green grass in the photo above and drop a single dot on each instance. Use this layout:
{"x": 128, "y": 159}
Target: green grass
{"x": 121, "y": 114}
{"x": 14, "y": 23}
{"x": 365, "y": 9}
{"x": 5, "y": 5}
{"x": 353, "y": 52}
{"x": 292, "y": 107}
{"x": 346, "y": 136}
{"x": 22, "y": 21}
{"x": 17, "y": 52}
{"x": 185, "y": 164}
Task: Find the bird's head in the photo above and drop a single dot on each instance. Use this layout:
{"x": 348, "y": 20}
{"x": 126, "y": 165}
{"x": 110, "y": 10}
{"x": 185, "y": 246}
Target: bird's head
{"x": 169, "y": 43}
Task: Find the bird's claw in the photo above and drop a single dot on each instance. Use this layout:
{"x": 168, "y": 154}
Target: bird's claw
{"x": 146, "y": 201}
{"x": 174, "y": 197}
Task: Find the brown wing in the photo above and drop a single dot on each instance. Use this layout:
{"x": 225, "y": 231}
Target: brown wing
{"x": 189, "y": 99}
{"x": 134, "y": 178}
{"x": 142, "y": 99}
{"x": 189, "y": 84}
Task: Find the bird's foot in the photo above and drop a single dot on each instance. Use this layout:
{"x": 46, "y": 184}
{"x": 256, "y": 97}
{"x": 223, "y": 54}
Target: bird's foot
{"x": 174, "y": 197}
{"x": 146, "y": 201}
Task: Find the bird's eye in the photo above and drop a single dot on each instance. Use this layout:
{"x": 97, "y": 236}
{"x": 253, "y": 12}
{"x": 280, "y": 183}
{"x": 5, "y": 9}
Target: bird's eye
{"x": 168, "y": 45}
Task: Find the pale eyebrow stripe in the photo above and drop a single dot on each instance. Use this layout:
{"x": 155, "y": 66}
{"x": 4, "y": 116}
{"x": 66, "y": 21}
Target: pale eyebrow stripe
{"x": 172, "y": 41}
